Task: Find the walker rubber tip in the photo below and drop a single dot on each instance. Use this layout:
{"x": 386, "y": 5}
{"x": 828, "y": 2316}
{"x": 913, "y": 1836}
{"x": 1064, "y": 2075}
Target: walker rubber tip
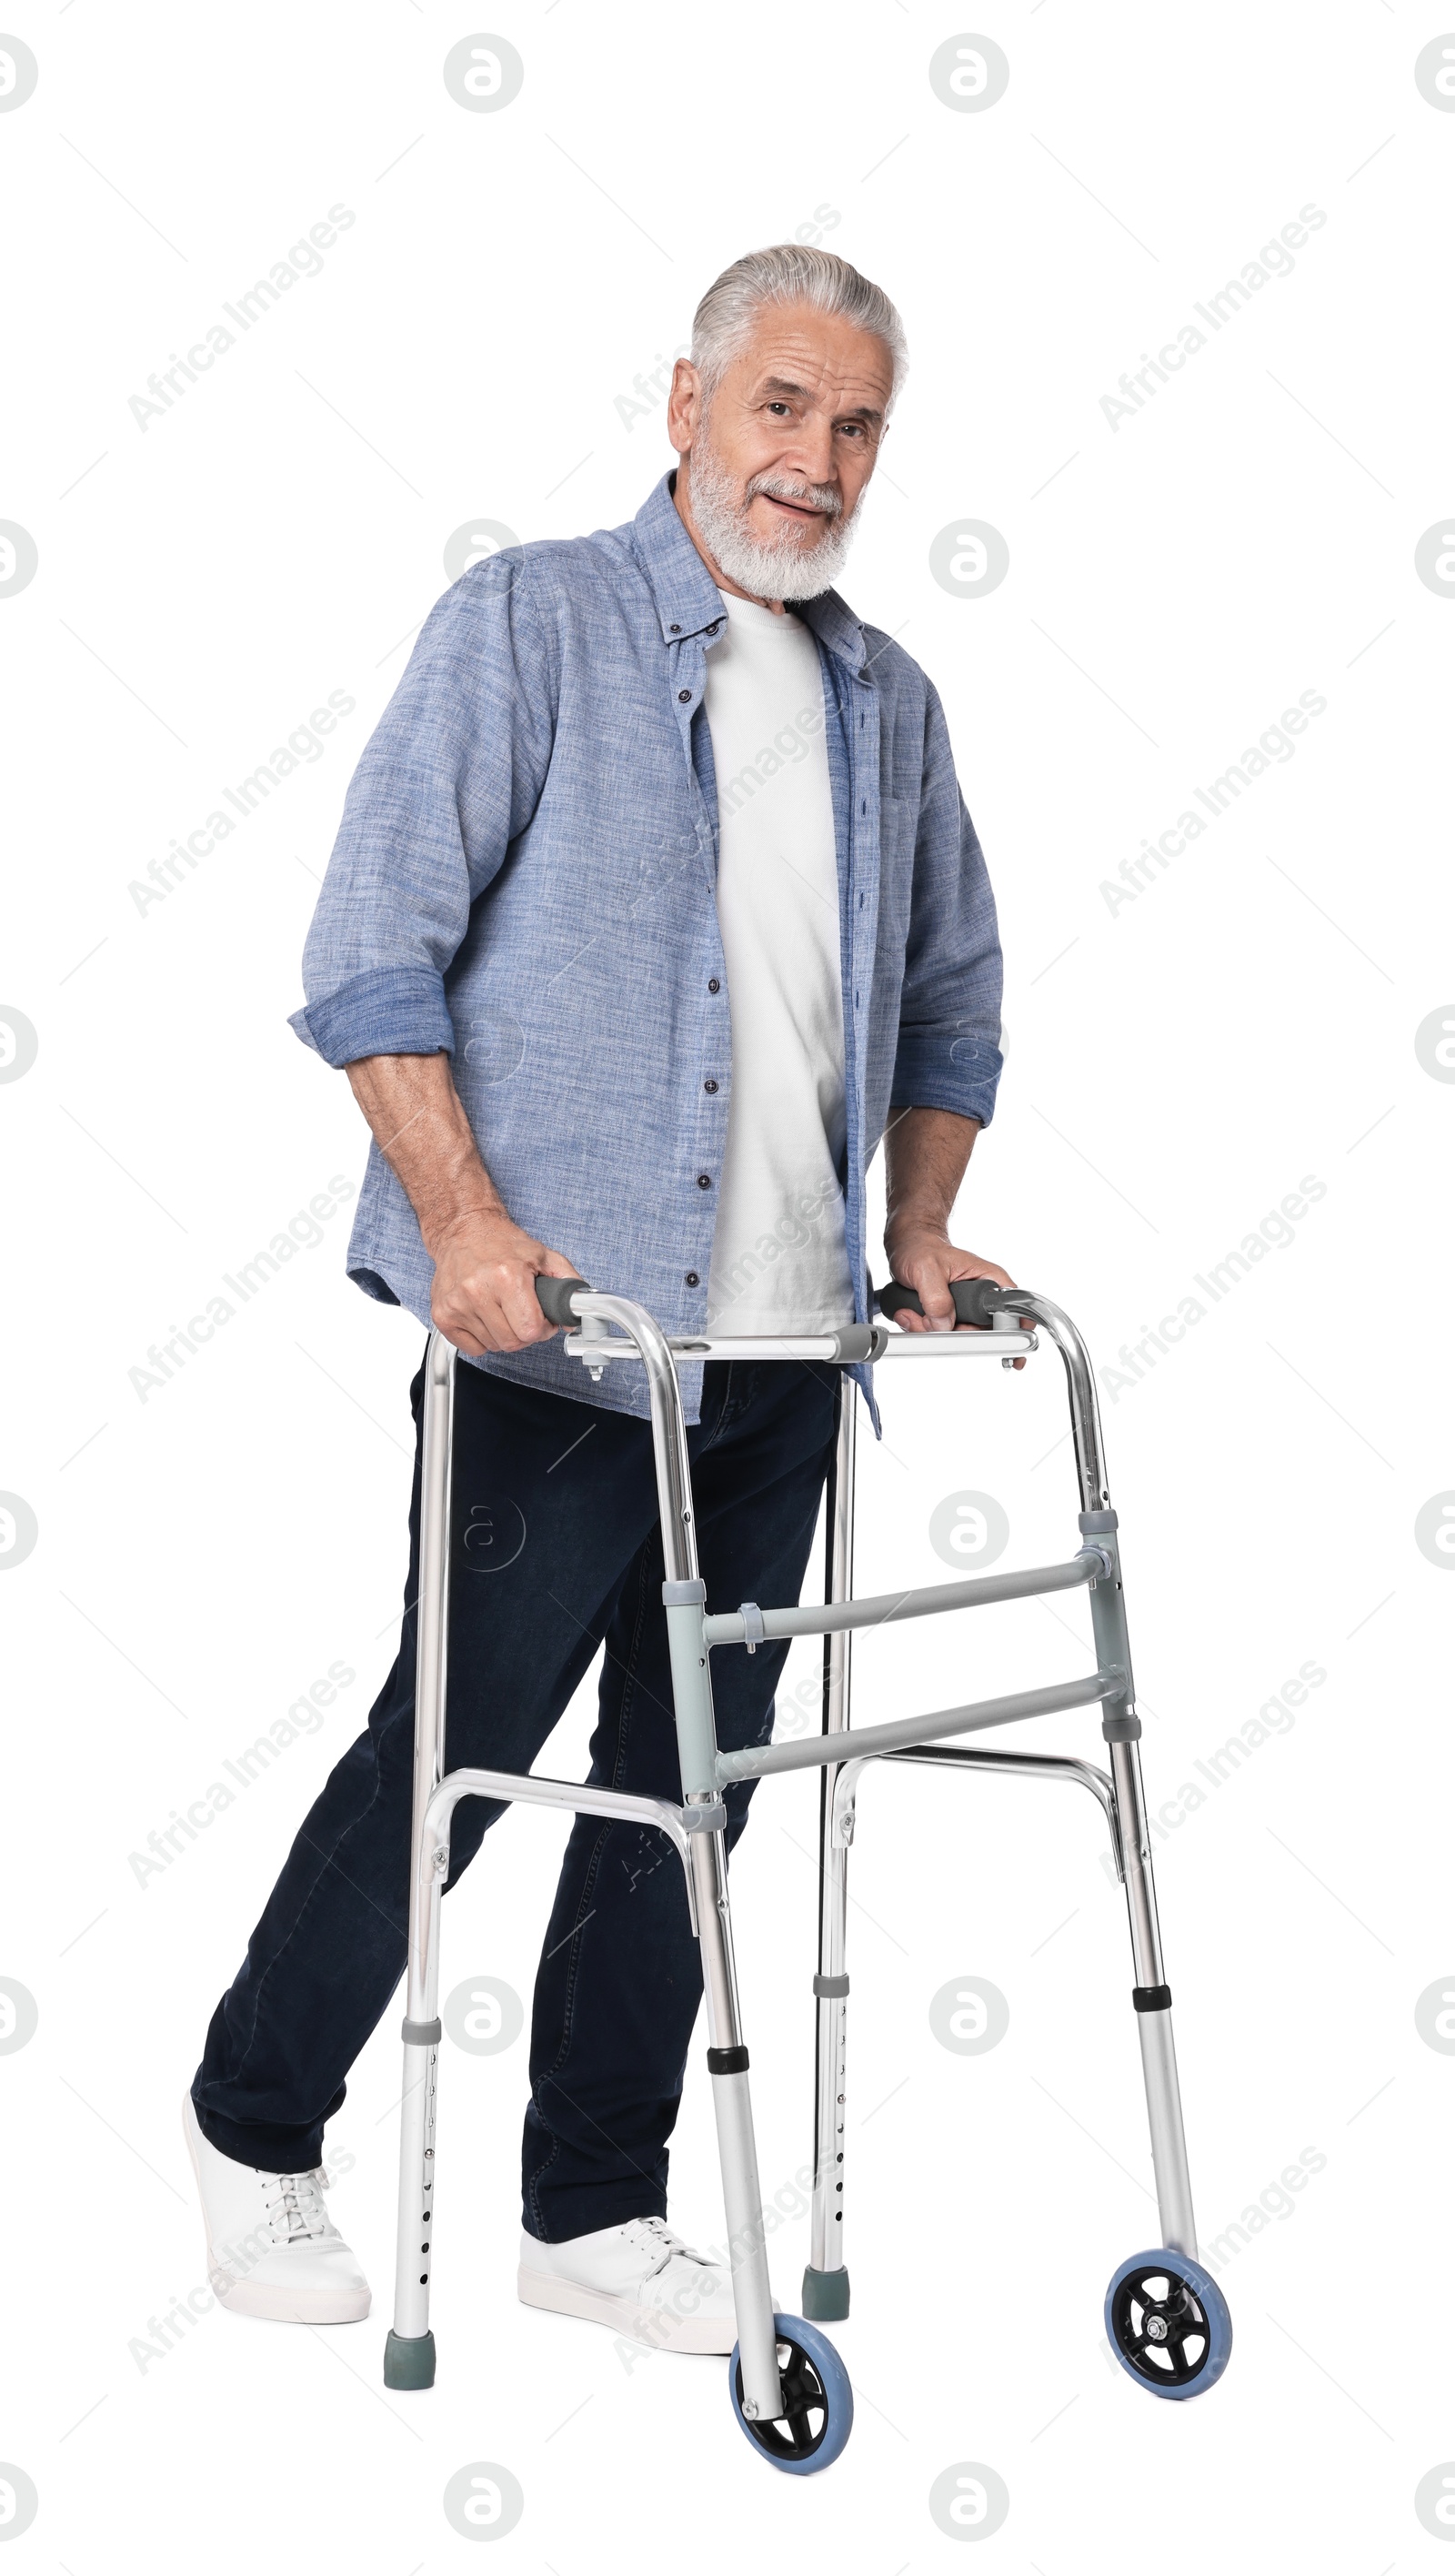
{"x": 409, "y": 2361}
{"x": 825, "y": 2296}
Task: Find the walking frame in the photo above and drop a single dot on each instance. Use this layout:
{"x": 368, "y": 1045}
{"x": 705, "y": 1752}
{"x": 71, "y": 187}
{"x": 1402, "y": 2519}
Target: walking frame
{"x": 1166, "y": 2319}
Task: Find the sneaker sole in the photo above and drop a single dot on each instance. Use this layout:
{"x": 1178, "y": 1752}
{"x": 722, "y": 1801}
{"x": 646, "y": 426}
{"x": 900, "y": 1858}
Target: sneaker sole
{"x": 657, "y": 2328}
{"x": 257, "y": 2299}
{"x": 285, "y": 2308}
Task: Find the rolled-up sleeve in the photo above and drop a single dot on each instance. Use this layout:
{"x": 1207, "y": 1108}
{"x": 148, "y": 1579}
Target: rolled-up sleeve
{"x": 948, "y": 1055}
{"x": 451, "y": 775}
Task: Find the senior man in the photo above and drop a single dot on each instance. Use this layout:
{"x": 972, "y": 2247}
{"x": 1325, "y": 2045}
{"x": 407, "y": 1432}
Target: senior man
{"x": 654, "y": 906}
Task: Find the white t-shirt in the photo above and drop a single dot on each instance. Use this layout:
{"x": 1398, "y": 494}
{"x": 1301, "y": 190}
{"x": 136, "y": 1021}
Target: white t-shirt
{"x": 779, "y": 1264}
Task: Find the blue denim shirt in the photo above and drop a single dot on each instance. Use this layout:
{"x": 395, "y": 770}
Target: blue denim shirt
{"x": 525, "y": 877}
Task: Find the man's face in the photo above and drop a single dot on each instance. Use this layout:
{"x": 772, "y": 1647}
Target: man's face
{"x": 784, "y": 448}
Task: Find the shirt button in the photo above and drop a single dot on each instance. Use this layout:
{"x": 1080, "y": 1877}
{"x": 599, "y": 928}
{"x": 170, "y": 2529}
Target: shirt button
{"x": 690, "y": 1278}
{"x": 682, "y": 696}
{"x": 712, "y": 630}
{"x": 709, "y": 1085}
{"x": 713, "y": 985}
{"x": 674, "y": 630}
{"x": 704, "y": 1180}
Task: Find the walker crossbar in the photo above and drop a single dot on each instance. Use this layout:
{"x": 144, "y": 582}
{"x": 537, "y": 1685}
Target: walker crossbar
{"x": 774, "y": 2353}
{"x": 955, "y": 1757}
{"x": 879, "y": 1610}
{"x": 531, "y": 1789}
{"x": 906, "y": 1732}
{"x": 844, "y": 1349}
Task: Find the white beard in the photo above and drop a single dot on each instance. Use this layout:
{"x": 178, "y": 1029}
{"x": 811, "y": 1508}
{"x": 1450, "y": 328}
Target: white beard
{"x": 783, "y": 569}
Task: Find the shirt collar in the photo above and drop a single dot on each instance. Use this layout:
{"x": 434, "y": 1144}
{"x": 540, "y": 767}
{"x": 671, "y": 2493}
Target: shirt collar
{"x": 687, "y": 598}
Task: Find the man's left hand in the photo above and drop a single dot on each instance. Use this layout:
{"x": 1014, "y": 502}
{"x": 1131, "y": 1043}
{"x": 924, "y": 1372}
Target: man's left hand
{"x": 927, "y": 1262}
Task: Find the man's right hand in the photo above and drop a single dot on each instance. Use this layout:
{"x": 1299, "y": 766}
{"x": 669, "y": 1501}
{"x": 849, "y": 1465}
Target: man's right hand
{"x": 486, "y": 1267}
{"x": 484, "y": 1294}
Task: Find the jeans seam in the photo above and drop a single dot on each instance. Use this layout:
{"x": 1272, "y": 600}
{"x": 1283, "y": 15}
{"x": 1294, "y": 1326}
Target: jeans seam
{"x": 631, "y": 1661}
{"x": 326, "y": 1862}
{"x": 725, "y": 1417}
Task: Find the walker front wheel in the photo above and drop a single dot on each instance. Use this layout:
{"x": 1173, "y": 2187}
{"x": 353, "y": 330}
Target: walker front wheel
{"x": 818, "y": 2402}
{"x": 1168, "y": 2324}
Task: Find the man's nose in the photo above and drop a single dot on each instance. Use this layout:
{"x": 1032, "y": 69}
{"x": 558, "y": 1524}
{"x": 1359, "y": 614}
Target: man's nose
{"x": 810, "y": 452}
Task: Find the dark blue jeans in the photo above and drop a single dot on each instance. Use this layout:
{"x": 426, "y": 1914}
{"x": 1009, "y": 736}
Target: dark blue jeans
{"x": 555, "y": 1546}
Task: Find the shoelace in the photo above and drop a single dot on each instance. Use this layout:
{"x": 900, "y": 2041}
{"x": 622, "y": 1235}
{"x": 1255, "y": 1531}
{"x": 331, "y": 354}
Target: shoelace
{"x": 665, "y": 2243}
{"x": 295, "y": 2209}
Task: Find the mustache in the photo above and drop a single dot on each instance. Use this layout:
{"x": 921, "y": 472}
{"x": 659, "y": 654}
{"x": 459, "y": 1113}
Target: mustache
{"x": 780, "y": 487}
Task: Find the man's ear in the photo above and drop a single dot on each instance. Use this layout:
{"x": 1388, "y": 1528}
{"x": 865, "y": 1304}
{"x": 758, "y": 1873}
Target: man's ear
{"x": 684, "y": 405}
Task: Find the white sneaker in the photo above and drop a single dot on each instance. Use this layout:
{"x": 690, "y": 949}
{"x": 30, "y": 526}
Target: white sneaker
{"x": 639, "y": 2278}
{"x": 272, "y": 2249}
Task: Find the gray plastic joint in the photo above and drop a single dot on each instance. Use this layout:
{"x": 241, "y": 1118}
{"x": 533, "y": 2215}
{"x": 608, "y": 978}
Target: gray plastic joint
{"x": 1103, "y": 1559}
{"x": 1093, "y": 1524}
{"x": 754, "y": 1632}
{"x": 1121, "y": 1730}
{"x": 856, "y": 1342}
{"x": 675, "y": 1594}
{"x": 422, "y": 2034}
{"x": 708, "y": 1816}
{"x": 830, "y": 1986}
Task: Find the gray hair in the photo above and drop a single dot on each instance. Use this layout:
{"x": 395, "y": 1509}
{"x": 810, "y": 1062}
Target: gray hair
{"x": 790, "y": 273}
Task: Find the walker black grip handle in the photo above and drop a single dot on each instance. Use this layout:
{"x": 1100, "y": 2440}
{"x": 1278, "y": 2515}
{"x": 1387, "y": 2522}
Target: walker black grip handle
{"x": 554, "y": 1296}
{"x": 969, "y": 1296}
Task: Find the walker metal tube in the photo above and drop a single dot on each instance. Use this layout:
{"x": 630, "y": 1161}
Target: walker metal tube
{"x": 737, "y": 2152}
{"x": 881, "y": 1609}
{"x": 1154, "y": 2020}
{"x": 532, "y": 1789}
{"x": 409, "y": 2354}
{"x": 432, "y": 1621}
{"x": 955, "y": 1757}
{"x": 1126, "y": 1772}
{"x": 692, "y": 1698}
{"x": 747, "y": 2247}
{"x": 414, "y": 2222}
{"x": 758, "y": 1760}
{"x": 1080, "y": 1383}
{"x": 1169, "y": 2144}
{"x": 832, "y": 1347}
{"x": 823, "y": 2297}
{"x": 669, "y": 1430}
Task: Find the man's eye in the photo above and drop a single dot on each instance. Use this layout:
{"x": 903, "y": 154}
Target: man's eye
{"x": 779, "y": 407}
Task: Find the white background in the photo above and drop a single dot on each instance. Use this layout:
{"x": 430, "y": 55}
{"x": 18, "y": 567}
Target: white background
{"x": 1176, "y": 1066}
